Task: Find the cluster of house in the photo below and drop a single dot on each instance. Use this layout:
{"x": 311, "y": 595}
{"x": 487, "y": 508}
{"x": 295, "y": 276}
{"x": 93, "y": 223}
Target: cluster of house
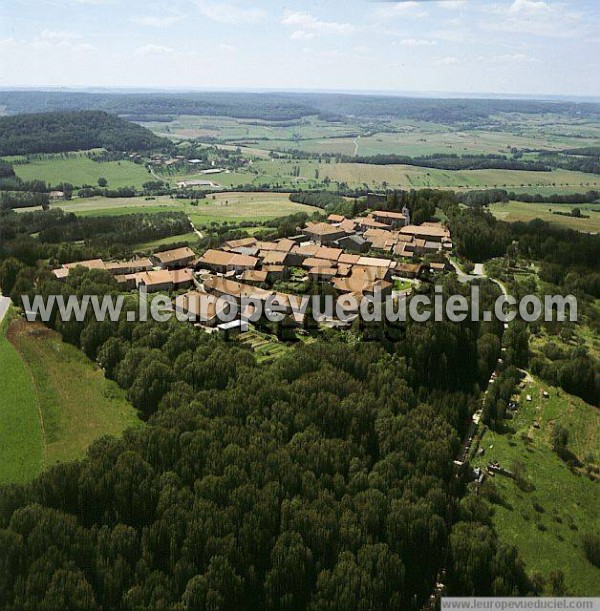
{"x": 386, "y": 231}
{"x": 332, "y": 252}
{"x": 164, "y": 271}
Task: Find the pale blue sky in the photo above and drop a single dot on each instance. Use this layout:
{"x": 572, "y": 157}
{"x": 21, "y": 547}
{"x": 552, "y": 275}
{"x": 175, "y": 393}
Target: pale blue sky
{"x": 495, "y": 46}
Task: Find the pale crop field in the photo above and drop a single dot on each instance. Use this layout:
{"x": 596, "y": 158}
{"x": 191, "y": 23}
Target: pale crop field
{"x": 218, "y": 207}
{"x": 522, "y": 211}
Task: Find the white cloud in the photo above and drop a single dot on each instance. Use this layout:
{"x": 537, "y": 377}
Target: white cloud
{"x": 308, "y": 23}
{"x": 529, "y": 7}
{"x": 62, "y": 39}
{"x": 539, "y": 18}
{"x": 227, "y": 47}
{"x": 449, "y": 60}
{"x": 156, "y": 22}
{"x": 227, "y": 12}
{"x": 154, "y": 50}
{"x": 416, "y": 42}
{"x": 301, "y": 35}
{"x": 453, "y": 4}
{"x": 517, "y": 58}
{"x": 410, "y": 9}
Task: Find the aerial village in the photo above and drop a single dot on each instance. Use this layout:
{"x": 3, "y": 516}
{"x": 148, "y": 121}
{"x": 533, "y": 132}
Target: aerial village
{"x": 379, "y": 254}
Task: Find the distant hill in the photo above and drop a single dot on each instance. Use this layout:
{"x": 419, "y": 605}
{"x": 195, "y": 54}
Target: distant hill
{"x": 286, "y": 106}
{"x": 59, "y": 132}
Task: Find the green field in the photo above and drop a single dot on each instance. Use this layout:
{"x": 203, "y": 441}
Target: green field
{"x": 77, "y": 403}
{"x": 80, "y": 170}
{"x": 20, "y": 431}
{"x": 522, "y": 211}
{"x": 547, "y": 521}
{"x": 385, "y": 136}
{"x": 187, "y": 238}
{"x": 280, "y": 173}
{"x": 218, "y": 207}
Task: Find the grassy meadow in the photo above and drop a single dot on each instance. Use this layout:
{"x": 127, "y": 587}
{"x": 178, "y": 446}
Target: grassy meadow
{"x": 547, "y": 518}
{"x": 522, "y": 211}
{"x": 79, "y": 170}
{"x": 186, "y": 238}
{"x": 385, "y": 136}
{"x": 21, "y": 441}
{"x": 77, "y": 403}
{"x": 217, "y": 207}
{"x": 312, "y": 173}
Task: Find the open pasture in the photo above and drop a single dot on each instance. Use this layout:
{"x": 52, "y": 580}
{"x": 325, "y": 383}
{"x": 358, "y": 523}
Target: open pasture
{"x": 281, "y": 173}
{"x": 76, "y": 402}
{"x": 217, "y": 207}
{"x": 228, "y": 129}
{"x": 258, "y": 207}
{"x": 547, "y": 516}
{"x": 388, "y": 136}
{"x": 20, "y": 431}
{"x": 522, "y": 211}
{"x": 79, "y": 170}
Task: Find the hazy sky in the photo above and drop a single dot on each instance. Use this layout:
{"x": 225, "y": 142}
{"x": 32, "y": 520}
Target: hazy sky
{"x": 496, "y": 46}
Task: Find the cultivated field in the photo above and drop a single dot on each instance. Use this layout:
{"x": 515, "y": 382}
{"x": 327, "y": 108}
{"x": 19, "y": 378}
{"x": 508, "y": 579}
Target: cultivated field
{"x": 385, "y": 136}
{"x": 80, "y": 170}
{"x": 547, "y": 521}
{"x": 20, "y": 432}
{"x": 245, "y": 207}
{"x": 415, "y": 177}
{"x": 522, "y": 211}
{"x": 218, "y": 207}
{"x": 281, "y": 174}
{"x": 77, "y": 403}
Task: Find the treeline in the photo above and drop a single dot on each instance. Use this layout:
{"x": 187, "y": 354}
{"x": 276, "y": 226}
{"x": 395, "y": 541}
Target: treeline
{"x": 6, "y": 170}
{"x": 55, "y": 132}
{"x": 64, "y": 237}
{"x": 485, "y": 197}
{"x": 570, "y": 198}
{"x": 105, "y": 231}
{"x": 453, "y": 162}
{"x": 274, "y": 107}
{"x": 17, "y": 199}
{"x": 319, "y": 199}
{"x": 574, "y": 370}
{"x": 288, "y": 106}
{"x": 577, "y": 160}
{"x": 104, "y": 192}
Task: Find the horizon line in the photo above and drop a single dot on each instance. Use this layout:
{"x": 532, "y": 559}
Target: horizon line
{"x": 115, "y": 90}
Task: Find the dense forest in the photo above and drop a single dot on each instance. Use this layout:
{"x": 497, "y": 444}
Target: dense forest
{"x": 320, "y": 199}
{"x": 57, "y": 132}
{"x": 286, "y": 106}
{"x": 64, "y": 237}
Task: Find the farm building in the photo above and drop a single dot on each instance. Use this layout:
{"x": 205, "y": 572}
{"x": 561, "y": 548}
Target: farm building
{"x": 200, "y": 307}
{"x": 323, "y": 233}
{"x": 173, "y": 259}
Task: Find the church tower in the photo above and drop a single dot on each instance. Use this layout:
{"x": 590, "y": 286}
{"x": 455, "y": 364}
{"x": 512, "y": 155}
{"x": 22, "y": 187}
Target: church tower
{"x": 406, "y": 213}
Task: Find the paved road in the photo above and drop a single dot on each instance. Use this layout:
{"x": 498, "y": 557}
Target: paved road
{"x": 462, "y": 276}
{"x": 4, "y": 305}
{"x": 196, "y": 231}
